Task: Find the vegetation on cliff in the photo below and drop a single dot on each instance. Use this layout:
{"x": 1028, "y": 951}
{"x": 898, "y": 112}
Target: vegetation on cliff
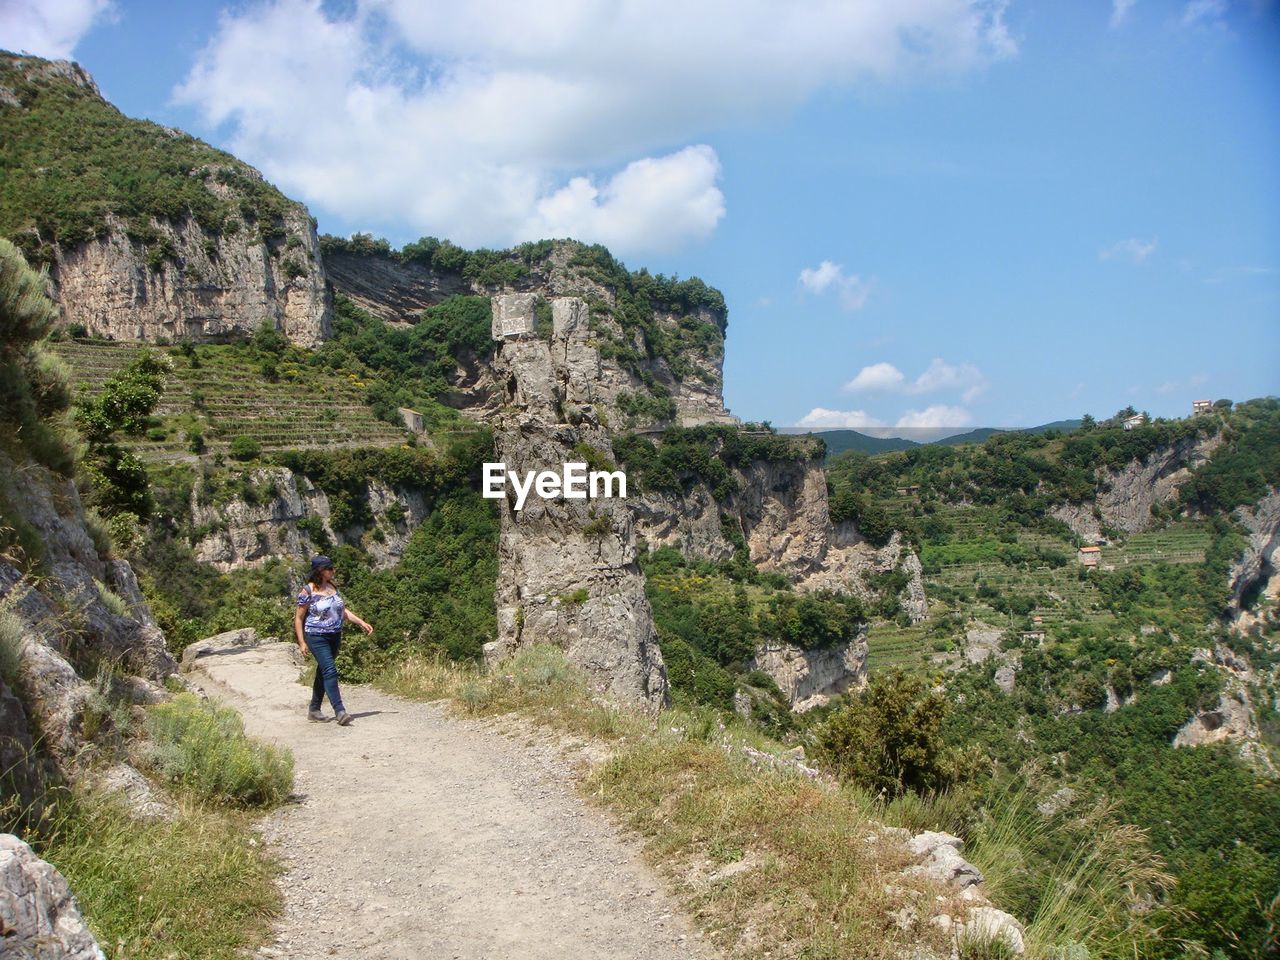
{"x": 71, "y": 160}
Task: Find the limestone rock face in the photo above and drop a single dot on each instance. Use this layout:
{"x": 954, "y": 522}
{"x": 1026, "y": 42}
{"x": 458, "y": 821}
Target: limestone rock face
{"x": 1234, "y": 719}
{"x": 809, "y": 678}
{"x": 940, "y": 859}
{"x": 240, "y": 534}
{"x": 214, "y": 288}
{"x": 1127, "y": 496}
{"x": 567, "y": 571}
{"x": 39, "y": 918}
{"x": 393, "y": 291}
{"x": 1256, "y": 567}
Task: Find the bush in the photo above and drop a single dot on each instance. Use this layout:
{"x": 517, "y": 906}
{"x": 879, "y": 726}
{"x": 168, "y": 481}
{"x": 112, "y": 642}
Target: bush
{"x": 245, "y": 448}
{"x": 889, "y": 739}
{"x": 203, "y": 748}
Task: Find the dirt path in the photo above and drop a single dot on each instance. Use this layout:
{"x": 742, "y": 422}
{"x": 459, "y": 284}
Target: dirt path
{"x": 418, "y": 836}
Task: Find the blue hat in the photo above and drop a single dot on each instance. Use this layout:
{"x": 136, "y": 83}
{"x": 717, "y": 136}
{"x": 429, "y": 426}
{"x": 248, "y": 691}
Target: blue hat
{"x": 319, "y": 562}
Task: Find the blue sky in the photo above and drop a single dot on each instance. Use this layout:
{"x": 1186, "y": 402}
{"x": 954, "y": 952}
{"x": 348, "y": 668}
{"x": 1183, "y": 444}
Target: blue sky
{"x": 928, "y": 213}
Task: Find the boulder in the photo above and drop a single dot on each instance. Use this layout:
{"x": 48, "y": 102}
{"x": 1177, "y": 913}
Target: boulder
{"x": 39, "y": 918}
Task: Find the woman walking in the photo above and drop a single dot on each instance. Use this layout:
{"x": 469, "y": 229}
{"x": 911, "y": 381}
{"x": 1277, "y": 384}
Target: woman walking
{"x": 317, "y": 623}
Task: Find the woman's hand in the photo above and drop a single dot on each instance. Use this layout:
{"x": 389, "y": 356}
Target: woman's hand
{"x": 303, "y": 649}
{"x": 366, "y": 627}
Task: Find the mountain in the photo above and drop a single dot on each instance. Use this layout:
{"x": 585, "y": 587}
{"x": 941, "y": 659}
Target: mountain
{"x": 838, "y": 441}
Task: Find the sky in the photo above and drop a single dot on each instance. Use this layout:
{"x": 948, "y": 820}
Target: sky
{"x": 923, "y": 214}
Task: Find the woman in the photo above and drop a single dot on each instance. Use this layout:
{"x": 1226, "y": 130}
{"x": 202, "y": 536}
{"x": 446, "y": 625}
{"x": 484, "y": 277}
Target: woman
{"x": 317, "y": 623}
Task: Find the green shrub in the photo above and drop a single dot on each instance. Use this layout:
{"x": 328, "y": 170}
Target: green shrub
{"x": 203, "y": 747}
{"x": 888, "y": 739}
{"x": 245, "y": 448}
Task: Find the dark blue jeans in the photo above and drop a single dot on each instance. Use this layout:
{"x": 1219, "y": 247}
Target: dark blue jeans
{"x": 324, "y": 647}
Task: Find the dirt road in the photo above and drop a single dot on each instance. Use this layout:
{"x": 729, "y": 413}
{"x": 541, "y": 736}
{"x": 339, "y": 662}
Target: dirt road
{"x": 418, "y": 836}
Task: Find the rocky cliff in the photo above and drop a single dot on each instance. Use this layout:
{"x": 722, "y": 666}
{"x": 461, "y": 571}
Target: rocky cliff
{"x": 1254, "y": 574}
{"x": 236, "y": 533}
{"x": 206, "y": 288}
{"x": 615, "y": 360}
{"x": 1125, "y": 497}
{"x": 149, "y": 233}
{"x": 76, "y": 621}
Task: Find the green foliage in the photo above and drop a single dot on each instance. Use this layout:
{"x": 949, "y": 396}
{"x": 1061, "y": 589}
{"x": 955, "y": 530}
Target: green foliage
{"x": 704, "y": 454}
{"x": 245, "y": 448}
{"x": 888, "y": 738}
{"x": 203, "y": 748}
{"x": 440, "y": 597}
{"x": 1246, "y": 466}
{"x": 124, "y": 405}
{"x": 408, "y": 367}
{"x": 33, "y": 389}
{"x": 71, "y": 160}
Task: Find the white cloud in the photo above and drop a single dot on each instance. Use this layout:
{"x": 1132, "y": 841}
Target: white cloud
{"x": 1120, "y": 11}
{"x": 675, "y": 194}
{"x": 49, "y": 28}
{"x": 497, "y": 121}
{"x": 938, "y": 376}
{"x": 828, "y": 276}
{"x": 934, "y": 417}
{"x": 846, "y": 419}
{"x": 878, "y": 376}
{"x": 1131, "y": 249}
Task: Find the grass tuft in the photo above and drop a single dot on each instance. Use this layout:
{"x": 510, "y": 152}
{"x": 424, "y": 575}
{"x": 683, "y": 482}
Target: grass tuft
{"x": 203, "y": 748}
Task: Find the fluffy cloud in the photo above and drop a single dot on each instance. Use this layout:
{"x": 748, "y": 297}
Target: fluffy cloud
{"x": 939, "y": 376}
{"x": 49, "y": 28}
{"x": 1132, "y": 249}
{"x": 878, "y": 376}
{"x": 497, "y": 121}
{"x": 827, "y": 276}
{"x": 937, "y": 416}
{"x": 846, "y": 419}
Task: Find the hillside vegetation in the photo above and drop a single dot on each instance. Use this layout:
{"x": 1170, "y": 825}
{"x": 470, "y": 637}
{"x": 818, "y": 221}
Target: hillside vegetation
{"x": 1099, "y": 666}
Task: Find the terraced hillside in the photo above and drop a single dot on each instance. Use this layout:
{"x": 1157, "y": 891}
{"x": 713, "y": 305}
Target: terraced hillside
{"x": 214, "y": 394}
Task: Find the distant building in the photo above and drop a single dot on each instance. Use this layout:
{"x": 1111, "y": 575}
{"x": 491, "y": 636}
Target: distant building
{"x": 1090, "y": 556}
{"x": 910, "y": 491}
{"x": 1201, "y": 406}
{"x": 1137, "y": 420}
{"x": 412, "y": 419}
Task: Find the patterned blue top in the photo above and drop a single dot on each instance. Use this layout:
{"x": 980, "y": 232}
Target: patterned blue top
{"x": 324, "y": 614}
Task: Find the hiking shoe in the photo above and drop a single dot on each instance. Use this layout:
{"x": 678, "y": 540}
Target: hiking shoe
{"x": 344, "y": 718}
{"x": 316, "y": 716}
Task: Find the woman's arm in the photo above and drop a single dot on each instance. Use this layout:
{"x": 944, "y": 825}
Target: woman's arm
{"x": 298, "y": 617}
{"x": 348, "y": 615}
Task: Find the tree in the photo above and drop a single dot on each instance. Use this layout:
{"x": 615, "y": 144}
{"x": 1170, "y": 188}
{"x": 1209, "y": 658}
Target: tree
{"x": 118, "y": 478}
{"x": 888, "y": 739}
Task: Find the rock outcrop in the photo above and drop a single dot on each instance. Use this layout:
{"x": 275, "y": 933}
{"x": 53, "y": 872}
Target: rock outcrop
{"x": 1234, "y": 718}
{"x": 567, "y": 568}
{"x": 810, "y": 678}
{"x": 212, "y": 288}
{"x": 1125, "y": 497}
{"x": 85, "y": 609}
{"x": 39, "y": 918}
{"x": 1255, "y": 571}
{"x": 238, "y": 534}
